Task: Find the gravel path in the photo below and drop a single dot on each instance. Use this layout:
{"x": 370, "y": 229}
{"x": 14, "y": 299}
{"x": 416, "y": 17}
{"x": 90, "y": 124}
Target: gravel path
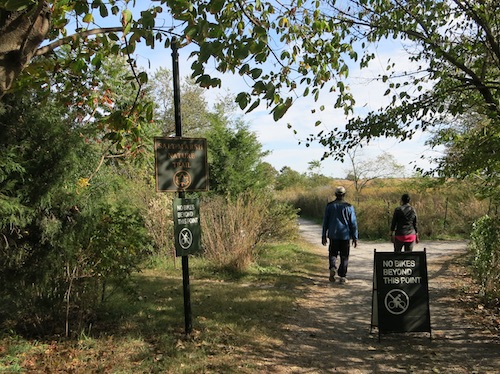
{"x": 329, "y": 331}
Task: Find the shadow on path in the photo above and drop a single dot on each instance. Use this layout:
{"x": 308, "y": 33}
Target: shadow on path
{"x": 329, "y": 332}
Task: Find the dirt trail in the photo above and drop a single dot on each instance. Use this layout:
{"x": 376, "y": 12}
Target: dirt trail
{"x": 329, "y": 332}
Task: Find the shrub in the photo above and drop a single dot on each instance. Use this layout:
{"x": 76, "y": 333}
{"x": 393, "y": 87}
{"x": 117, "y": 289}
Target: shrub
{"x": 485, "y": 250}
{"x": 67, "y": 232}
{"x": 60, "y": 273}
{"x": 232, "y": 228}
{"x": 279, "y": 221}
{"x": 158, "y": 221}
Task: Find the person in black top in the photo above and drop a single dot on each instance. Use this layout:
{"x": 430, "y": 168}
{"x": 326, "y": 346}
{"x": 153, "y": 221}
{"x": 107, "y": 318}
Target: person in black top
{"x": 404, "y": 232}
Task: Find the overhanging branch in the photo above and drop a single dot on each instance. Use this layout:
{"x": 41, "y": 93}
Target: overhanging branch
{"x": 55, "y": 44}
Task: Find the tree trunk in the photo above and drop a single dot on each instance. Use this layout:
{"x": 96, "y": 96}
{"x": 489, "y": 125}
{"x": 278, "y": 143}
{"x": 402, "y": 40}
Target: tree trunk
{"x": 21, "y": 33}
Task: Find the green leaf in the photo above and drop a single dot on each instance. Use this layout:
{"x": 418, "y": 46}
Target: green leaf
{"x": 143, "y": 77}
{"x": 126, "y": 21}
{"x": 254, "y": 105}
{"x": 113, "y": 37}
{"x": 245, "y": 68}
{"x": 280, "y": 109}
{"x": 256, "y": 73}
{"x": 88, "y": 18}
{"x": 103, "y": 10}
{"x": 81, "y": 7}
{"x": 97, "y": 60}
{"x": 242, "y": 99}
{"x": 191, "y": 31}
{"x": 149, "y": 111}
{"x": 204, "y": 80}
{"x": 259, "y": 87}
{"x": 216, "y": 6}
{"x": 147, "y": 19}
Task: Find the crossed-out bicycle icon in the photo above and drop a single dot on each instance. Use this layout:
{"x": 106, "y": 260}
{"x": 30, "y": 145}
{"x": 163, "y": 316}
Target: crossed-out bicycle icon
{"x": 185, "y": 238}
{"x": 397, "y": 301}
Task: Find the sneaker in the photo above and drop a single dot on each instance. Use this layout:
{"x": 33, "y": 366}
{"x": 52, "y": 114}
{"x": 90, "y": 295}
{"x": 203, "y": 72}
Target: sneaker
{"x": 343, "y": 280}
{"x": 332, "y": 276}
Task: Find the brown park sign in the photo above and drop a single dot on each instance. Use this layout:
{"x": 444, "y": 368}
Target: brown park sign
{"x": 181, "y": 164}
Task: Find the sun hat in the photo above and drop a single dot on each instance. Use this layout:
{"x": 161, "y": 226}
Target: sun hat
{"x": 340, "y": 190}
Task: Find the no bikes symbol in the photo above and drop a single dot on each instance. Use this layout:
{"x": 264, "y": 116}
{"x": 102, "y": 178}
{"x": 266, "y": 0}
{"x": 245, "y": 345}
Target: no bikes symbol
{"x": 397, "y": 301}
{"x": 185, "y": 238}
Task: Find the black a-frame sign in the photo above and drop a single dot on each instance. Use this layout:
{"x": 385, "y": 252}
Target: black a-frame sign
{"x": 400, "y": 298}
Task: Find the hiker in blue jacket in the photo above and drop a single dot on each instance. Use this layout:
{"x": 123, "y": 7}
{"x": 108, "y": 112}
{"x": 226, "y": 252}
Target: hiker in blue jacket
{"x": 339, "y": 226}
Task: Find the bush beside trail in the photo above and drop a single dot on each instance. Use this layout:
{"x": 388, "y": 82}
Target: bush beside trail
{"x": 485, "y": 253}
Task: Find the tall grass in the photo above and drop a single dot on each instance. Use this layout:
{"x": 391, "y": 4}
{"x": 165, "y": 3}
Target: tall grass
{"x": 444, "y": 210}
{"x": 233, "y": 227}
{"x": 159, "y": 223}
{"x": 230, "y": 230}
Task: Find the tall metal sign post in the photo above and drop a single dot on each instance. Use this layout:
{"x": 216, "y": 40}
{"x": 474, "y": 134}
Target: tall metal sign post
{"x": 181, "y": 166}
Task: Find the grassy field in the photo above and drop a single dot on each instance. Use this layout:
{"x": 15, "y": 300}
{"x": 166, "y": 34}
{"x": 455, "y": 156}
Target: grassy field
{"x": 445, "y": 211}
{"x": 236, "y": 317}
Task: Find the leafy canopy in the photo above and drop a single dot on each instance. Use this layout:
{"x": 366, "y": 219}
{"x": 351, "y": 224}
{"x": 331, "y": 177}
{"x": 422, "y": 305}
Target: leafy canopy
{"x": 299, "y": 48}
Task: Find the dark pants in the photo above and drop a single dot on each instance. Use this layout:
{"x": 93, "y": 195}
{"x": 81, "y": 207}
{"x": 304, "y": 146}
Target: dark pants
{"x": 335, "y": 248}
{"x": 398, "y": 246}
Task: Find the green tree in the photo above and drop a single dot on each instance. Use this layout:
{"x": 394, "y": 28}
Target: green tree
{"x": 72, "y": 69}
{"x": 322, "y": 36}
{"x": 71, "y": 219}
{"x": 289, "y": 178}
{"x": 268, "y": 172}
{"x": 314, "y": 167}
{"x": 471, "y": 153}
{"x": 314, "y": 177}
{"x": 194, "y": 107}
{"x": 235, "y": 157}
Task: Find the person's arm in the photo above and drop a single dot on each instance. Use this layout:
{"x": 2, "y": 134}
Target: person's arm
{"x": 415, "y": 226}
{"x": 326, "y": 222}
{"x": 354, "y": 228}
{"x": 393, "y": 226}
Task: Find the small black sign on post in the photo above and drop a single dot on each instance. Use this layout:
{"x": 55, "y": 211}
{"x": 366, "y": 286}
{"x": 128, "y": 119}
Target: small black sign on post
{"x": 400, "y": 299}
{"x": 187, "y": 231}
